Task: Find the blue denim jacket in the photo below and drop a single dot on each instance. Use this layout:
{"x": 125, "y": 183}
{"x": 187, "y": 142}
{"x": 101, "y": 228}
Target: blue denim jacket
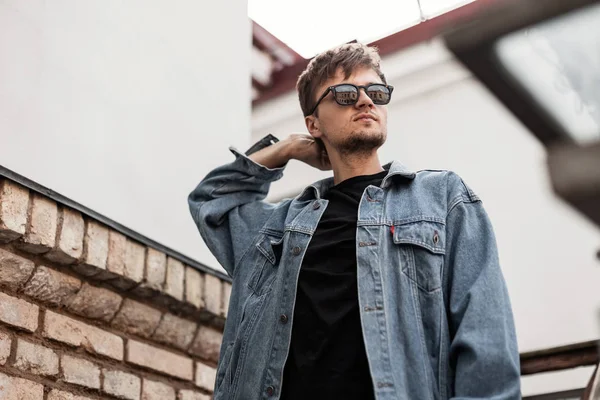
{"x": 435, "y": 312}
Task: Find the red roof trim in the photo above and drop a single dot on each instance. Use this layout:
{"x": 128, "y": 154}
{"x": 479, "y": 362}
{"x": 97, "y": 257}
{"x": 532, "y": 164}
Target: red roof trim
{"x": 285, "y": 79}
{"x": 265, "y": 41}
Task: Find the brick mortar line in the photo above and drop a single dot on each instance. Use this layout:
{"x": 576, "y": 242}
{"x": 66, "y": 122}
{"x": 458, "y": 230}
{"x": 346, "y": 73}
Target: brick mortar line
{"x": 101, "y": 379}
{"x": 29, "y": 216}
{"x": 189, "y": 346}
{"x": 142, "y": 389}
{"x": 84, "y": 246}
{"x": 162, "y": 317}
{"x": 59, "y": 227}
{"x": 40, "y": 328}
{"x": 12, "y": 357}
{"x": 20, "y": 288}
{"x": 119, "y": 309}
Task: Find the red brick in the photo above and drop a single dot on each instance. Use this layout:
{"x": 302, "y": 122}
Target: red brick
{"x": 5, "y": 342}
{"x": 207, "y": 343}
{"x": 226, "y": 297}
{"x": 205, "y": 376}
{"x": 40, "y": 235}
{"x": 51, "y": 286}
{"x": 159, "y": 360}
{"x": 133, "y": 268}
{"x": 174, "y": 283}
{"x": 121, "y": 384}
{"x": 14, "y": 270}
{"x": 175, "y": 331}
{"x": 136, "y": 318}
{"x": 19, "y": 389}
{"x": 80, "y": 372}
{"x": 194, "y": 287}
{"x": 69, "y": 246}
{"x": 152, "y": 390}
{"x": 95, "y": 303}
{"x": 36, "y": 359}
{"x": 14, "y": 202}
{"x": 192, "y": 395}
{"x": 18, "y": 312}
{"x": 213, "y": 294}
{"x": 154, "y": 274}
{"x": 56, "y": 394}
{"x": 95, "y": 249}
{"x": 92, "y": 339}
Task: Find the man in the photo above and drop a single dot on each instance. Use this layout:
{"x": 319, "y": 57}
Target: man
{"x": 378, "y": 283}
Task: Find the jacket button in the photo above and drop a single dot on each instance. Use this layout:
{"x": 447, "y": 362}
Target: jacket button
{"x": 283, "y": 318}
{"x": 270, "y": 390}
{"x": 296, "y": 250}
{"x": 316, "y": 206}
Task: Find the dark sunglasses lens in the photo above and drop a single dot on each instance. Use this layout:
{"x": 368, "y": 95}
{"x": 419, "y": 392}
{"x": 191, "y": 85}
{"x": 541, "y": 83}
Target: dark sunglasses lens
{"x": 380, "y": 94}
{"x": 346, "y": 95}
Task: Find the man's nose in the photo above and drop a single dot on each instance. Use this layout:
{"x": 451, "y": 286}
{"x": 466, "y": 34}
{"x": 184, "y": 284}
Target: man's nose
{"x": 364, "y": 100}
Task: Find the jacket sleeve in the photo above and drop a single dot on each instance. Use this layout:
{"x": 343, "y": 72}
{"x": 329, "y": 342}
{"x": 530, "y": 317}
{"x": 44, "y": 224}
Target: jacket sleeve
{"x": 483, "y": 351}
{"x": 228, "y": 205}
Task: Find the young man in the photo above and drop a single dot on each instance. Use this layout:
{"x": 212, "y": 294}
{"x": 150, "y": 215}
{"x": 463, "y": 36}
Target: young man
{"x": 378, "y": 283}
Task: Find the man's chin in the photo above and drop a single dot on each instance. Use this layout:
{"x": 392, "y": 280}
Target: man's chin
{"x": 364, "y": 142}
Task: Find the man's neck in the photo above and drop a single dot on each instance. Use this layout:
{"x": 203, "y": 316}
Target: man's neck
{"x": 346, "y": 167}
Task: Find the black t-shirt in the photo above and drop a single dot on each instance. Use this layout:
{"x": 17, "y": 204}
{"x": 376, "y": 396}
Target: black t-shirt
{"x": 327, "y": 358}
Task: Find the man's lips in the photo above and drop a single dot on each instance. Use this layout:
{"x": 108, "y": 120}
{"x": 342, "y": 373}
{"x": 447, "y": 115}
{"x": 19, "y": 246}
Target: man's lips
{"x": 365, "y": 116}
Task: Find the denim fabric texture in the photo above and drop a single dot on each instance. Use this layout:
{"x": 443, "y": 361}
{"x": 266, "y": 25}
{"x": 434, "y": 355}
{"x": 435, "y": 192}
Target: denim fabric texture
{"x": 435, "y": 312}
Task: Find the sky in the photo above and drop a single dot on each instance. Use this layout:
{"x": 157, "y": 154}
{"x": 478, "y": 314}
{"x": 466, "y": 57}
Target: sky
{"x": 311, "y": 26}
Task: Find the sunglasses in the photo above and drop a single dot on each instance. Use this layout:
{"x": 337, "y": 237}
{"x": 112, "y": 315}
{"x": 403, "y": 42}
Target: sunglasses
{"x": 347, "y": 94}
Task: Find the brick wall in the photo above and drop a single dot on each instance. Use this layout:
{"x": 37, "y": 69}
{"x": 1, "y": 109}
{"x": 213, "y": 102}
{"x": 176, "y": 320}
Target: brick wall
{"x": 88, "y": 313}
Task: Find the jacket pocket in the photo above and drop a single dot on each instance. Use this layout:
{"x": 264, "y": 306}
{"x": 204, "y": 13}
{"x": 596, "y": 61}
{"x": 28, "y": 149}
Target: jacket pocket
{"x": 265, "y": 260}
{"x": 423, "y": 246}
{"x": 223, "y": 365}
{"x": 252, "y": 311}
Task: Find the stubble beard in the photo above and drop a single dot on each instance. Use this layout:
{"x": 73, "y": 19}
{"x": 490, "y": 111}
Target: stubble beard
{"x": 360, "y": 143}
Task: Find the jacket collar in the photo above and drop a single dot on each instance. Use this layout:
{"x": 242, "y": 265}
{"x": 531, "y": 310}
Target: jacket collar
{"x": 394, "y": 168}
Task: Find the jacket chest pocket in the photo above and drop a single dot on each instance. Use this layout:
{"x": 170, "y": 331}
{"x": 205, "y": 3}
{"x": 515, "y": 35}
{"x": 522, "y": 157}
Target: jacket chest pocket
{"x": 422, "y": 247}
{"x": 265, "y": 261}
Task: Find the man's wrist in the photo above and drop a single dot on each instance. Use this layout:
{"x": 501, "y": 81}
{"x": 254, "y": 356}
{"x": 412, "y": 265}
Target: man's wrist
{"x": 286, "y": 150}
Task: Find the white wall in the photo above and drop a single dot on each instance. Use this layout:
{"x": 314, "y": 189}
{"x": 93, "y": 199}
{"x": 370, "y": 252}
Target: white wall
{"x": 442, "y": 118}
{"x": 124, "y": 106}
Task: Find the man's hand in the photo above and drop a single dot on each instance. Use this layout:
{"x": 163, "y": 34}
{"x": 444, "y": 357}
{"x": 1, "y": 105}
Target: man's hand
{"x": 297, "y": 146}
{"x": 306, "y": 149}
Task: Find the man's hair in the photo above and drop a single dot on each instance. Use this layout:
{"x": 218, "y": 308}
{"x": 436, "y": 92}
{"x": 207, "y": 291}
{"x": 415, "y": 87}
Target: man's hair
{"x": 348, "y": 57}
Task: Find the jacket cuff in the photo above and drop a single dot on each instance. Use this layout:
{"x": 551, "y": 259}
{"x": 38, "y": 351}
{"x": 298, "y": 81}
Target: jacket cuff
{"x": 254, "y": 168}
{"x": 262, "y": 143}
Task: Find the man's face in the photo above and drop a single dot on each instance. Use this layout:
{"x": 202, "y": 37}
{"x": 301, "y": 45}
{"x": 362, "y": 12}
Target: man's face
{"x": 358, "y": 129}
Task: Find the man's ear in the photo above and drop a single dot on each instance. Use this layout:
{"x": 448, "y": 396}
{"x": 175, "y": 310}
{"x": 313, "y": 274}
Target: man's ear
{"x": 313, "y": 126}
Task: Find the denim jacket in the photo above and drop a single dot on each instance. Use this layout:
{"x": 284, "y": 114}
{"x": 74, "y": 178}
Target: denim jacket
{"x": 435, "y": 312}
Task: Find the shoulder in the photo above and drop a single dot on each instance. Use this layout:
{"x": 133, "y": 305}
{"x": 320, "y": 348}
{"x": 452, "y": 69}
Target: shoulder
{"x": 446, "y": 183}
